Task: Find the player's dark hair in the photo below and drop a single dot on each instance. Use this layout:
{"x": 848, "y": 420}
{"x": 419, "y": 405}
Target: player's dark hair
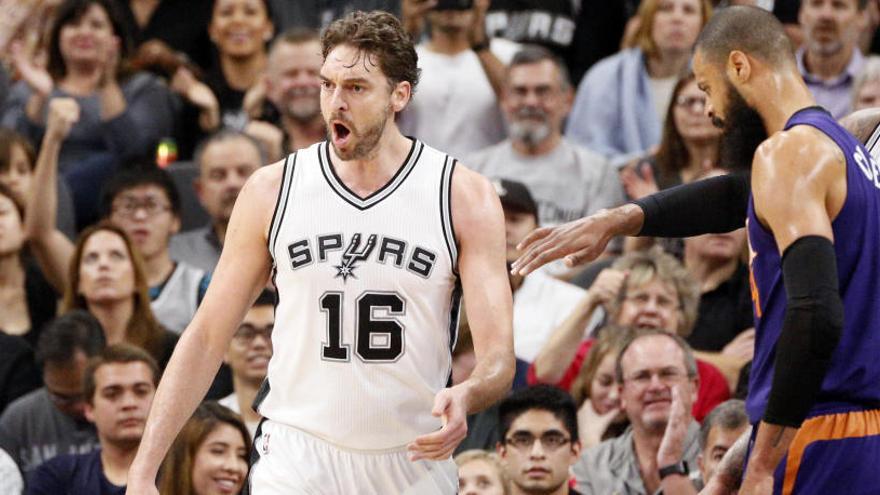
{"x": 73, "y": 331}
{"x": 72, "y": 11}
{"x": 751, "y": 30}
{"x": 117, "y": 354}
{"x": 541, "y": 398}
{"x": 534, "y": 54}
{"x": 145, "y": 174}
{"x": 378, "y": 34}
{"x": 729, "y": 415}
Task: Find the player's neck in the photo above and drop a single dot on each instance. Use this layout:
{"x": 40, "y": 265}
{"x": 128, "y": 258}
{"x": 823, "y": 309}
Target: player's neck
{"x": 365, "y": 176}
{"x": 782, "y": 93}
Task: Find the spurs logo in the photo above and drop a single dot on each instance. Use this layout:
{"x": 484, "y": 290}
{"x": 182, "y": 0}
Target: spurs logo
{"x": 353, "y": 254}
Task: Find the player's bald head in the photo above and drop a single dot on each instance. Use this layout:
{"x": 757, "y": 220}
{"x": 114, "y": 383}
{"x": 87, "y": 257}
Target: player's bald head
{"x": 751, "y": 30}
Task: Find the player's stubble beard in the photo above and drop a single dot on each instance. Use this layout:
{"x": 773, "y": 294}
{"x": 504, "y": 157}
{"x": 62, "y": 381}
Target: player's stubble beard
{"x": 744, "y": 131}
{"x": 367, "y": 141}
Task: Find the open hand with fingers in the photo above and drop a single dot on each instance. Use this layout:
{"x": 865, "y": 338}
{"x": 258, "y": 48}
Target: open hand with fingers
{"x": 449, "y": 404}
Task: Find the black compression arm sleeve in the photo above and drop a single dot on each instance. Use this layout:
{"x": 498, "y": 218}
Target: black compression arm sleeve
{"x": 709, "y": 206}
{"x": 810, "y": 332}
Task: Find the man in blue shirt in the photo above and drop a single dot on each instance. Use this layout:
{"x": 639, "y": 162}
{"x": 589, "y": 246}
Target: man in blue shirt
{"x": 118, "y": 386}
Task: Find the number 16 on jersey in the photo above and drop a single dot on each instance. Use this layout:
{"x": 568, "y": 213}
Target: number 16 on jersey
{"x": 377, "y": 339}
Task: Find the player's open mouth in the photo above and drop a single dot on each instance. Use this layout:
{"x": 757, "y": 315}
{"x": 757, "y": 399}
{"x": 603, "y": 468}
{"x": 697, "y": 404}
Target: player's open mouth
{"x": 341, "y": 133}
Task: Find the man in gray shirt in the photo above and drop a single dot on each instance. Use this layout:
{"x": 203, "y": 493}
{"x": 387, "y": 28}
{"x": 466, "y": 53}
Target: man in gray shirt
{"x": 658, "y": 381}
{"x": 50, "y": 420}
{"x": 568, "y": 181}
{"x": 225, "y": 161}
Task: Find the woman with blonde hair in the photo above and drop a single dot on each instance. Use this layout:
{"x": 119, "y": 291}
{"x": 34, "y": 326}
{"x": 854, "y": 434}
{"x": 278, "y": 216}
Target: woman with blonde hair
{"x": 622, "y": 100}
{"x": 481, "y": 473}
{"x": 209, "y": 456}
{"x": 107, "y": 278}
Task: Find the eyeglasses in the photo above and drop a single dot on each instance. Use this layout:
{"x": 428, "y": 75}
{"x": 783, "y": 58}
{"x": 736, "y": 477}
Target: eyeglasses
{"x": 246, "y": 333}
{"x": 643, "y": 298}
{"x": 550, "y": 441}
{"x": 65, "y": 400}
{"x": 128, "y": 207}
{"x": 667, "y": 376}
{"x": 690, "y": 102}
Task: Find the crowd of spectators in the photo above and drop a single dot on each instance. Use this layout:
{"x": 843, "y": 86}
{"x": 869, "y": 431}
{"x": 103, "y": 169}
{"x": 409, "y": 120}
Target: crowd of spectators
{"x": 129, "y": 127}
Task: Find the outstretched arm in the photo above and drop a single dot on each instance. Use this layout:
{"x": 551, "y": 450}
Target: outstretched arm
{"x": 52, "y": 249}
{"x": 729, "y": 472}
{"x": 241, "y": 273}
{"x": 478, "y": 222}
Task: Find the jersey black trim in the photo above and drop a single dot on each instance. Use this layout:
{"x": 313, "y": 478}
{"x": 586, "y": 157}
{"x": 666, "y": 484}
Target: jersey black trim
{"x": 283, "y": 195}
{"x": 454, "y": 317}
{"x": 872, "y": 141}
{"x": 446, "y": 211}
{"x": 336, "y": 184}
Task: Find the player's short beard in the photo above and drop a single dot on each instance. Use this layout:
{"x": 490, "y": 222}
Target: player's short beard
{"x": 744, "y": 131}
{"x": 367, "y": 141}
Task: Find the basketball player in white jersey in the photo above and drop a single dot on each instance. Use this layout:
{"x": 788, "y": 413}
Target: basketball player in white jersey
{"x": 372, "y": 239}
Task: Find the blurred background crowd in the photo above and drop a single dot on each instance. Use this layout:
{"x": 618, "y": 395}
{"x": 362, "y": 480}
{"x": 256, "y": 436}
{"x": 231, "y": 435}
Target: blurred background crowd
{"x": 128, "y": 128}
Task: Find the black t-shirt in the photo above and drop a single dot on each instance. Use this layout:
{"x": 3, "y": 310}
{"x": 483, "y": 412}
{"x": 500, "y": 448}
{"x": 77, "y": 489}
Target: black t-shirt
{"x": 724, "y": 313}
{"x": 42, "y": 300}
{"x": 580, "y": 32}
{"x": 18, "y": 371}
{"x": 182, "y": 24}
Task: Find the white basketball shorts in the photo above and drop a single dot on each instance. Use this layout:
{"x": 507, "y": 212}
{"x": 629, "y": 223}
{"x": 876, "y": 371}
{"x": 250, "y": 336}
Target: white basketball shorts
{"x": 290, "y": 461}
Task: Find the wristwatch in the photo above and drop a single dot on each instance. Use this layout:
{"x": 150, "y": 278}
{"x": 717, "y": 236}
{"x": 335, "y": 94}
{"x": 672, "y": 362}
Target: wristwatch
{"x": 481, "y": 45}
{"x": 679, "y": 467}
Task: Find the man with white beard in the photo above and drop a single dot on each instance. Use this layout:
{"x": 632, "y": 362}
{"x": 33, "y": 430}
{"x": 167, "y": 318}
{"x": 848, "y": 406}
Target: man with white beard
{"x": 566, "y": 180}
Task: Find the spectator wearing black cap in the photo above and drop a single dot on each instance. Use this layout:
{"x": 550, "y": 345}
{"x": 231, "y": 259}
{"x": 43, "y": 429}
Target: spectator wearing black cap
{"x": 50, "y": 420}
{"x": 540, "y": 302}
{"x": 568, "y": 181}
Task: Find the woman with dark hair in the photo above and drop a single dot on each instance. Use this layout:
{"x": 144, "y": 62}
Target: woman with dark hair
{"x": 209, "y": 456}
{"x": 107, "y": 279}
{"x": 26, "y": 298}
{"x": 123, "y": 114}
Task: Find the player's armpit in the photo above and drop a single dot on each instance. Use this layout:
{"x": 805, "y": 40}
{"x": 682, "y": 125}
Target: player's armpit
{"x": 478, "y": 222}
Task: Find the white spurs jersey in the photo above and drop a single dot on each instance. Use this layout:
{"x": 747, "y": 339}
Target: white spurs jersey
{"x": 368, "y": 301}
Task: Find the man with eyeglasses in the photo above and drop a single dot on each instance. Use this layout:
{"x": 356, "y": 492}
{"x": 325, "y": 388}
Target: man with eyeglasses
{"x": 539, "y": 440}
{"x": 144, "y": 202}
{"x": 567, "y": 180}
{"x": 248, "y": 358}
{"x": 658, "y": 381}
{"x": 50, "y": 420}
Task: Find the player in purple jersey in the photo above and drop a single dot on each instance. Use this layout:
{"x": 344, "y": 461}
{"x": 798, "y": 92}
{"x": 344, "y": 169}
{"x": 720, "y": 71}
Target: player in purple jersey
{"x": 815, "y": 205}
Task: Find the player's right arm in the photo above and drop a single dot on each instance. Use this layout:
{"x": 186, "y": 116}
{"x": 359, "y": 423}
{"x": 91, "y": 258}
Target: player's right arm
{"x": 241, "y": 273}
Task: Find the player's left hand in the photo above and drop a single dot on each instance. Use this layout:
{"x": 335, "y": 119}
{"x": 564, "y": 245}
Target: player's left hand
{"x": 449, "y": 404}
